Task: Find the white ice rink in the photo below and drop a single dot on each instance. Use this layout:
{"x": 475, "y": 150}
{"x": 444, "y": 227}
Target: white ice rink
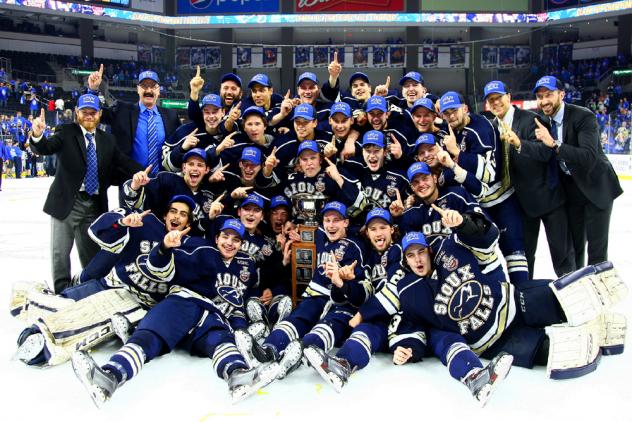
{"x": 178, "y": 387}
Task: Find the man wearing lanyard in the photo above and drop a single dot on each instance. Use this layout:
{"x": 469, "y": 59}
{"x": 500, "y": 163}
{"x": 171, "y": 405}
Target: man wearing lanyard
{"x": 87, "y": 159}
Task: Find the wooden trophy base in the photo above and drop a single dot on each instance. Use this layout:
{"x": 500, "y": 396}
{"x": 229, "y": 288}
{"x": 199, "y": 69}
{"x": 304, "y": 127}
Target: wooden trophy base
{"x": 303, "y": 261}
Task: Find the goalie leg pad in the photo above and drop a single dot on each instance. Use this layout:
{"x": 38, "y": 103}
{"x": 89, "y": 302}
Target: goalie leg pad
{"x": 573, "y": 351}
{"x": 87, "y": 323}
{"x": 586, "y": 293}
{"x": 29, "y": 301}
{"x": 613, "y": 328}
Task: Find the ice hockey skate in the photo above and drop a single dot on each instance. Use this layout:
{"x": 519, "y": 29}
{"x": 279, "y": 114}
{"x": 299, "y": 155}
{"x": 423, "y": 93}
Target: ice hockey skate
{"x": 335, "y": 371}
{"x": 243, "y": 383}
{"x": 30, "y": 347}
{"x": 291, "y": 358}
{"x": 121, "y": 326}
{"x": 254, "y": 353}
{"x": 255, "y": 311}
{"x": 483, "y": 381}
{"x": 284, "y": 308}
{"x": 100, "y": 384}
{"x": 258, "y": 330}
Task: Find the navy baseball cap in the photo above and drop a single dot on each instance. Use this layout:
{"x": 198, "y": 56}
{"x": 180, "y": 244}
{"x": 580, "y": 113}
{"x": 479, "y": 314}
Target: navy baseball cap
{"x": 307, "y": 75}
{"x": 414, "y": 238}
{"x": 148, "y": 74}
{"x": 304, "y": 111}
{"x": 424, "y": 103}
{"x": 359, "y": 75}
{"x": 549, "y": 82}
{"x": 378, "y": 213}
{"x": 336, "y": 206}
{"x": 230, "y": 77}
{"x": 415, "y": 76}
{"x": 340, "y": 107}
{"x": 425, "y": 138}
{"x": 197, "y": 152}
{"x": 310, "y": 145}
{"x": 261, "y": 79}
{"x": 278, "y": 201}
{"x": 185, "y": 199}
{"x": 450, "y": 100}
{"x": 376, "y": 102}
{"x": 253, "y": 110}
{"x": 88, "y": 101}
{"x": 373, "y": 137}
{"x": 252, "y": 198}
{"x": 494, "y": 87}
{"x": 213, "y": 100}
{"x": 234, "y": 225}
{"x": 417, "y": 168}
{"x": 251, "y": 154}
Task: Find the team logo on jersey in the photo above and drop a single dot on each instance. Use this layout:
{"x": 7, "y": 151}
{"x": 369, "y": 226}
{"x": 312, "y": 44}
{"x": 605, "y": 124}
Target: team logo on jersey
{"x": 391, "y": 190}
{"x": 465, "y": 300}
{"x": 449, "y": 262}
{"x": 441, "y": 180}
{"x": 207, "y": 206}
{"x": 320, "y": 186}
{"x": 266, "y": 250}
{"x": 244, "y": 274}
{"x": 384, "y": 260}
{"x": 339, "y": 253}
{"x": 230, "y": 295}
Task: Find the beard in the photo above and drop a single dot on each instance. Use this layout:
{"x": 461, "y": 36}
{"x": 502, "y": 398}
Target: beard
{"x": 88, "y": 124}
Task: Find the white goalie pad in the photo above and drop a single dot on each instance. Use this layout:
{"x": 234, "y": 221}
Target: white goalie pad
{"x": 585, "y": 294}
{"x": 613, "y": 328}
{"x": 87, "y": 323}
{"x": 573, "y": 351}
{"x": 33, "y": 300}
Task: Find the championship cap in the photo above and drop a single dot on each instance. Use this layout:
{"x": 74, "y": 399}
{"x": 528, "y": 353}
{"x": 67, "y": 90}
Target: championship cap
{"x": 234, "y": 225}
{"x": 415, "y": 76}
{"x": 251, "y": 154}
{"x": 494, "y": 87}
{"x": 376, "y": 102}
{"x": 197, "y": 152}
{"x": 549, "y": 82}
{"x": 425, "y": 138}
{"x": 417, "y": 168}
{"x": 373, "y": 137}
{"x": 88, "y": 101}
{"x": 252, "y": 198}
{"x": 148, "y": 74}
{"x": 212, "y": 100}
{"x": 304, "y": 111}
{"x": 450, "y": 100}
{"x": 278, "y": 201}
{"x": 414, "y": 238}
{"x": 339, "y": 207}
{"x": 230, "y": 77}
{"x": 185, "y": 199}
{"x": 340, "y": 107}
{"x": 307, "y": 75}
{"x": 310, "y": 145}
{"x": 359, "y": 75}
{"x": 254, "y": 110}
{"x": 424, "y": 103}
{"x": 261, "y": 79}
{"x": 378, "y": 213}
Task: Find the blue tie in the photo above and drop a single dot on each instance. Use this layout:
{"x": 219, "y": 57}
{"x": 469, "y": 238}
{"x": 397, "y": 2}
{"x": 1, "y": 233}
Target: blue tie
{"x": 553, "y": 173}
{"x": 91, "y": 180}
{"x": 152, "y": 143}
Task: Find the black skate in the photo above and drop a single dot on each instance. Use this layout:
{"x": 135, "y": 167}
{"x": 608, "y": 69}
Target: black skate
{"x": 121, "y": 326}
{"x": 243, "y": 383}
{"x": 482, "y": 382}
{"x": 253, "y": 352}
{"x": 291, "y": 359}
{"x": 99, "y": 383}
{"x": 334, "y": 370}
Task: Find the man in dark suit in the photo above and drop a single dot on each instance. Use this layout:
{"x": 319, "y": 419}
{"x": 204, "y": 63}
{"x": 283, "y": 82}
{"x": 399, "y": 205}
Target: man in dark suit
{"x": 588, "y": 178}
{"x": 86, "y": 160}
{"x": 541, "y": 200}
{"x": 141, "y": 128}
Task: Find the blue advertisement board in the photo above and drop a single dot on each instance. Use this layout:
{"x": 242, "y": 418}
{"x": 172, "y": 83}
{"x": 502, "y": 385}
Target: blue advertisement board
{"x": 218, "y": 7}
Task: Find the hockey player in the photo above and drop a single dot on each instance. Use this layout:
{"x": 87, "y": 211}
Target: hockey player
{"x": 197, "y": 314}
{"x": 325, "y": 295}
{"x": 115, "y": 285}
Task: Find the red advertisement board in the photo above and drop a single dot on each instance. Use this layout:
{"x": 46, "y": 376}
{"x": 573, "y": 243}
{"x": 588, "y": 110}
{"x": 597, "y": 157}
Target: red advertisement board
{"x": 310, "y": 6}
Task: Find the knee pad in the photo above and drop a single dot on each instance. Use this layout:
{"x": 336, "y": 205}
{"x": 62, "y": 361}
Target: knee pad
{"x": 586, "y": 293}
{"x": 613, "y": 327}
{"x": 574, "y": 351}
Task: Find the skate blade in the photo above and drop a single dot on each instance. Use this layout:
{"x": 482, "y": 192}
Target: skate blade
{"x": 266, "y": 377}
{"x": 31, "y": 347}
{"x": 316, "y": 362}
{"x": 501, "y": 370}
{"x": 82, "y": 367}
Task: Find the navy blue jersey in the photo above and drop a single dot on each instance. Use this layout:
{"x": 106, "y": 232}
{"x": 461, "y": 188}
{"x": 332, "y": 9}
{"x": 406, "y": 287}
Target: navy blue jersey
{"x": 198, "y": 272}
{"x": 380, "y": 188}
{"x": 346, "y": 251}
{"x": 173, "y": 153}
{"x": 287, "y": 147}
{"x": 232, "y": 155}
{"x": 382, "y": 265}
{"x": 155, "y": 196}
{"x": 349, "y": 194}
{"x": 123, "y": 255}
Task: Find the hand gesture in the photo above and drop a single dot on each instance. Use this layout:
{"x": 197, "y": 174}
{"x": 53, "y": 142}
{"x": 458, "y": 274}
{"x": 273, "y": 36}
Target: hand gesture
{"x": 240, "y": 192}
{"x": 95, "y": 78}
{"x": 449, "y": 218}
{"x": 397, "y": 207}
{"x": 356, "y": 320}
{"x": 333, "y": 173}
{"x": 334, "y": 69}
{"x": 402, "y": 355}
{"x": 445, "y": 160}
{"x": 134, "y": 219}
{"x": 347, "y": 272}
{"x": 141, "y": 178}
{"x": 38, "y": 126}
{"x": 331, "y": 271}
{"x": 382, "y": 90}
{"x": 173, "y": 239}
{"x": 287, "y": 253}
{"x": 359, "y": 117}
{"x": 235, "y": 112}
{"x": 330, "y": 149}
{"x": 216, "y": 207}
{"x": 287, "y": 104}
{"x": 271, "y": 162}
{"x": 395, "y": 148}
{"x": 191, "y": 140}
{"x": 349, "y": 150}
{"x": 543, "y": 134}
{"x": 266, "y": 297}
{"x": 218, "y": 175}
{"x": 196, "y": 84}
{"x": 508, "y": 135}
{"x": 449, "y": 141}
{"x": 226, "y": 143}
{"x": 410, "y": 201}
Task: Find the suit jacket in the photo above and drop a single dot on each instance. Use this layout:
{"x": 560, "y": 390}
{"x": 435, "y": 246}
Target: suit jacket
{"x": 123, "y": 120}
{"x": 529, "y": 168}
{"x": 69, "y": 144}
{"x": 581, "y": 150}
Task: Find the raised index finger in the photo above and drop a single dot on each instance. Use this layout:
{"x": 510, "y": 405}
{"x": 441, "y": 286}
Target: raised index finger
{"x": 399, "y": 196}
{"x": 185, "y": 231}
{"x": 194, "y": 132}
{"x": 197, "y": 73}
{"x": 388, "y": 81}
{"x": 219, "y": 198}
{"x": 101, "y": 70}
{"x": 329, "y": 162}
{"x": 144, "y": 213}
{"x": 287, "y": 96}
{"x": 539, "y": 123}
{"x": 440, "y": 210}
{"x": 148, "y": 169}
{"x": 450, "y": 129}
{"x": 224, "y": 167}
{"x": 335, "y": 56}
{"x": 43, "y": 115}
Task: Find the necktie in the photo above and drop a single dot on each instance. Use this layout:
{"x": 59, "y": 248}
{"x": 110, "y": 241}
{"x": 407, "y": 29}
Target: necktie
{"x": 153, "y": 148}
{"x": 553, "y": 173}
{"x": 505, "y": 178}
{"x": 91, "y": 181}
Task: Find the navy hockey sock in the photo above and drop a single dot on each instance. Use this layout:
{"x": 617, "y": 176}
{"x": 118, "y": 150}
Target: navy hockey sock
{"x": 460, "y": 360}
{"x": 226, "y": 359}
{"x": 356, "y": 350}
{"x": 127, "y": 362}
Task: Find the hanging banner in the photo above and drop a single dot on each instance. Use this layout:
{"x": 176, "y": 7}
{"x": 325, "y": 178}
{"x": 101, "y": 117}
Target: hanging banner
{"x": 360, "y": 56}
{"x": 198, "y": 56}
{"x": 523, "y": 56}
{"x": 320, "y": 56}
{"x": 397, "y": 56}
{"x": 183, "y": 56}
{"x": 213, "y": 57}
{"x": 244, "y": 57}
{"x": 457, "y": 56}
{"x": 158, "y": 54}
{"x": 506, "y": 57}
{"x": 301, "y": 56}
{"x": 489, "y": 56}
{"x": 429, "y": 56}
{"x": 380, "y": 56}
{"x": 269, "y": 58}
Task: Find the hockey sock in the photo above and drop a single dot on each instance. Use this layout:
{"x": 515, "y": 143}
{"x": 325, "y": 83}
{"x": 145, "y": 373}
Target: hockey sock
{"x": 356, "y": 350}
{"x": 321, "y": 336}
{"x": 517, "y": 267}
{"x": 284, "y": 332}
{"x": 127, "y": 362}
{"x": 226, "y": 359}
{"x": 461, "y": 360}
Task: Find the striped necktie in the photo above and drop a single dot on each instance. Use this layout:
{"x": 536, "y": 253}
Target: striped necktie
{"x": 91, "y": 181}
{"x": 153, "y": 148}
